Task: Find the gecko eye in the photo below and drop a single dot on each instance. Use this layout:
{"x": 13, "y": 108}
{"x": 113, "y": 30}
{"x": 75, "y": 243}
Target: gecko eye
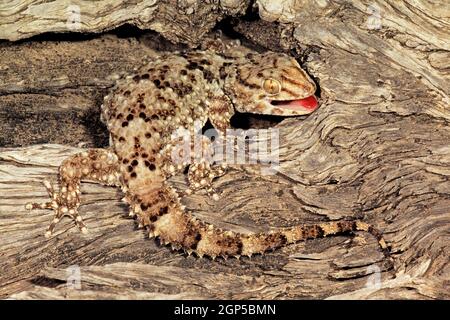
{"x": 271, "y": 86}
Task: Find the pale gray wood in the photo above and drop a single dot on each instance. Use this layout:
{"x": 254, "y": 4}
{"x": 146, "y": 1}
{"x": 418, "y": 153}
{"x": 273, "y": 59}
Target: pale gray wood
{"x": 183, "y": 21}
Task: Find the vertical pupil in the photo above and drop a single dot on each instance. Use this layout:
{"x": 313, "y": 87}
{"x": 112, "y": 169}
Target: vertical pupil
{"x": 271, "y": 86}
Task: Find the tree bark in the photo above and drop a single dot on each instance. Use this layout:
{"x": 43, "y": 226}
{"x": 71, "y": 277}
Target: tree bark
{"x": 377, "y": 149}
{"x": 180, "y": 21}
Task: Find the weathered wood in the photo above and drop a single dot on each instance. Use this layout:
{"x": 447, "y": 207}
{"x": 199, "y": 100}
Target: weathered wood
{"x": 113, "y": 238}
{"x": 52, "y": 91}
{"x": 376, "y": 149}
{"x": 184, "y": 21}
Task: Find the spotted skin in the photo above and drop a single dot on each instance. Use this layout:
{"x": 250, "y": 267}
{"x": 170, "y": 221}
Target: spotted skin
{"x": 144, "y": 110}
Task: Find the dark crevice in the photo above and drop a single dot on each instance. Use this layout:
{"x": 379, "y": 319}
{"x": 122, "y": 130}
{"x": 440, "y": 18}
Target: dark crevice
{"x": 43, "y": 281}
{"x": 226, "y": 26}
{"x": 208, "y": 126}
{"x": 124, "y": 31}
{"x": 91, "y": 121}
{"x": 252, "y": 12}
{"x": 257, "y": 121}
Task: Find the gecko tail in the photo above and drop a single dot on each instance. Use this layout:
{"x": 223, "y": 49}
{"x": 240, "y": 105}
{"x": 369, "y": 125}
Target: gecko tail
{"x": 330, "y": 228}
{"x": 167, "y": 219}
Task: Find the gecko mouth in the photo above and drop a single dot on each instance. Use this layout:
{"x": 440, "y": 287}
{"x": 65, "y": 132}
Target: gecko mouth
{"x": 309, "y": 103}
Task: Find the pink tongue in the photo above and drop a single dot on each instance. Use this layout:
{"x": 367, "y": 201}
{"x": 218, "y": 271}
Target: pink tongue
{"x": 309, "y": 103}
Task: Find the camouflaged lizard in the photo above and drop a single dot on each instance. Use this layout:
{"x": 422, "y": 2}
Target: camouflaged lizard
{"x": 175, "y": 91}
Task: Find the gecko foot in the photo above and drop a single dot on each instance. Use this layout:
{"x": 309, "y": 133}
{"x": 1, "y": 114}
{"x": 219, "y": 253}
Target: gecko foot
{"x": 64, "y": 202}
{"x": 97, "y": 165}
{"x": 201, "y": 175}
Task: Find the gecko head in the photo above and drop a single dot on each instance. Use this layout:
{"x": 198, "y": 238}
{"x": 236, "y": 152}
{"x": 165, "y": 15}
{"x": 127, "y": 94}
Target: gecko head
{"x": 271, "y": 83}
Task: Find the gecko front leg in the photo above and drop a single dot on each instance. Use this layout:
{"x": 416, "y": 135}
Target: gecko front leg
{"x": 98, "y": 165}
{"x": 201, "y": 175}
{"x": 203, "y": 171}
{"x": 198, "y": 157}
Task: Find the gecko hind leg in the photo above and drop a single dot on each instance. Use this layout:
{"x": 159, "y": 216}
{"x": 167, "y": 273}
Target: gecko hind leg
{"x": 201, "y": 175}
{"x": 201, "y": 170}
{"x": 98, "y": 165}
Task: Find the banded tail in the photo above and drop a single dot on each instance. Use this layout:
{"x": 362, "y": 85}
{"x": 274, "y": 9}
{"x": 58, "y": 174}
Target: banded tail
{"x": 161, "y": 212}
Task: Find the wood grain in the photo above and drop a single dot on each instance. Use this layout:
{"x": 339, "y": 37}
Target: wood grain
{"x": 184, "y": 21}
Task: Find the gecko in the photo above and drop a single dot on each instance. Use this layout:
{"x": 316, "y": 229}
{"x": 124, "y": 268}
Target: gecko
{"x": 142, "y": 112}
